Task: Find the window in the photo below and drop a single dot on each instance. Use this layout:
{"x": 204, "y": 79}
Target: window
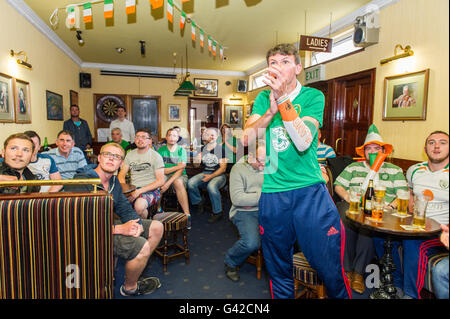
{"x": 256, "y": 79}
{"x": 342, "y": 45}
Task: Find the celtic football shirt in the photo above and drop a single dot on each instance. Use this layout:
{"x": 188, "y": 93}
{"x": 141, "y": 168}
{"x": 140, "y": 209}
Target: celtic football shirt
{"x": 286, "y": 167}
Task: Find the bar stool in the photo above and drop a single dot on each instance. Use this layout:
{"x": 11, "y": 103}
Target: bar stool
{"x": 306, "y": 276}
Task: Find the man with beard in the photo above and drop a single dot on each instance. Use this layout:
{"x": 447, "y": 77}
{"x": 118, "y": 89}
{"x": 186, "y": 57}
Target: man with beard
{"x": 147, "y": 173}
{"x": 17, "y": 152}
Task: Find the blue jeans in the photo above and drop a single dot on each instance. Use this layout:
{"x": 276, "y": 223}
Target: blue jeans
{"x": 213, "y": 187}
{"x": 439, "y": 277}
{"x": 247, "y": 225}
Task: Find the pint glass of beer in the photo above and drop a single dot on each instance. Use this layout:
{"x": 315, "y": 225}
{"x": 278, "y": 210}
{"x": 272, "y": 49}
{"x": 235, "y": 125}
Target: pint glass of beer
{"x": 420, "y": 208}
{"x": 402, "y": 202}
{"x": 380, "y": 191}
{"x": 377, "y": 208}
{"x": 355, "y": 196}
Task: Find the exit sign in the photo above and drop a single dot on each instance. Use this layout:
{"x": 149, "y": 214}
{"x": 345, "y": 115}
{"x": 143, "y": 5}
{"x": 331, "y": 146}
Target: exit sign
{"x": 315, "y": 73}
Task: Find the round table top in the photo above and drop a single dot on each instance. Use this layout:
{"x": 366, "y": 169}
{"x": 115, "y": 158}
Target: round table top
{"x": 392, "y": 225}
{"x": 127, "y": 188}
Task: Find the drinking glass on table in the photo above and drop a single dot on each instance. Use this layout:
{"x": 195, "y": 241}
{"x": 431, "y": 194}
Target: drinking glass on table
{"x": 420, "y": 208}
{"x": 402, "y": 201}
{"x": 377, "y": 208}
{"x": 355, "y": 196}
{"x": 380, "y": 191}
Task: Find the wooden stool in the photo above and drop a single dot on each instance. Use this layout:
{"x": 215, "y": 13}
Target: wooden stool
{"x": 256, "y": 259}
{"x": 174, "y": 223}
{"x": 306, "y": 276}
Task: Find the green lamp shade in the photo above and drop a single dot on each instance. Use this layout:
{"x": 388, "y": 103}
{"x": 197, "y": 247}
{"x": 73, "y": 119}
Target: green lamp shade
{"x": 187, "y": 85}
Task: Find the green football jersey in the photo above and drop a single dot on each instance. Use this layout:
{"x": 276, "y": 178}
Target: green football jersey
{"x": 172, "y": 159}
{"x": 286, "y": 167}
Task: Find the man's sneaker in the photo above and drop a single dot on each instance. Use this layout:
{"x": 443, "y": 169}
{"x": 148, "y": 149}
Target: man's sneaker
{"x": 231, "y": 273}
{"x": 215, "y": 218}
{"x": 144, "y": 287}
{"x": 189, "y": 222}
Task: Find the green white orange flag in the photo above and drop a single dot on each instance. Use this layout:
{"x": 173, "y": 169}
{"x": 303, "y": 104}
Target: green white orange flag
{"x": 182, "y": 19}
{"x": 209, "y": 43}
{"x": 185, "y": 1}
{"x": 87, "y": 12}
{"x": 221, "y": 52}
{"x": 71, "y": 16}
{"x": 214, "y": 47}
{"x": 193, "y": 30}
{"x": 202, "y": 36}
{"x": 170, "y": 10}
{"x": 130, "y": 6}
{"x": 156, "y": 4}
{"x": 108, "y": 9}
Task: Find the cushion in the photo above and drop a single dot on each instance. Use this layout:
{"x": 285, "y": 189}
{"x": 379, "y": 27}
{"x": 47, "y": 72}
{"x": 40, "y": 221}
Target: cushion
{"x": 303, "y": 271}
{"x": 172, "y": 221}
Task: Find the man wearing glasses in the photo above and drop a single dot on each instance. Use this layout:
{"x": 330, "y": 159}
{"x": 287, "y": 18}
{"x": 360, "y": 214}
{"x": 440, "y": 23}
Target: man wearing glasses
{"x": 134, "y": 238}
{"x": 146, "y": 168}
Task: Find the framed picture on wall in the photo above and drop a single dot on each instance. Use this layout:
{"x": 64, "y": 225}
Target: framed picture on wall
{"x": 6, "y": 98}
{"x": 206, "y": 87}
{"x": 233, "y": 115}
{"x": 22, "y": 101}
{"x": 405, "y": 96}
{"x": 174, "y": 112}
{"x": 73, "y": 98}
{"x": 54, "y": 106}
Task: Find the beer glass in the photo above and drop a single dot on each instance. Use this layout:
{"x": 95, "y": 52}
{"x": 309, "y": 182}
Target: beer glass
{"x": 420, "y": 208}
{"x": 377, "y": 208}
{"x": 355, "y": 196}
{"x": 380, "y": 190}
{"x": 402, "y": 202}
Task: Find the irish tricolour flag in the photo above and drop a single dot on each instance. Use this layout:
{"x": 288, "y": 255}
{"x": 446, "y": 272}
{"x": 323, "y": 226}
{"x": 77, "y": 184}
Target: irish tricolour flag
{"x": 71, "y": 16}
{"x": 182, "y": 19}
{"x": 156, "y": 4}
{"x": 170, "y": 10}
{"x": 87, "y": 12}
{"x": 108, "y": 9}
{"x": 202, "y": 36}
{"x": 130, "y": 6}
{"x": 192, "y": 30}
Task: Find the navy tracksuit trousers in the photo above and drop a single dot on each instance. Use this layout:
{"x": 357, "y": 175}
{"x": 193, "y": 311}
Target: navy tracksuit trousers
{"x": 309, "y": 216}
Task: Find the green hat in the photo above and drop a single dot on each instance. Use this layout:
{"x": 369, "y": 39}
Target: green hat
{"x": 373, "y": 136}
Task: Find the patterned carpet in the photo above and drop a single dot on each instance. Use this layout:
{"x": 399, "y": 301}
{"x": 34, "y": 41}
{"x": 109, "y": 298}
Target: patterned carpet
{"x": 203, "y": 277}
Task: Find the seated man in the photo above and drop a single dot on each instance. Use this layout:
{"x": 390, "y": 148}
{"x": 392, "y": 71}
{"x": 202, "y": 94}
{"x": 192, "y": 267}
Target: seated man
{"x": 146, "y": 167}
{"x": 68, "y": 158}
{"x": 229, "y": 142}
{"x": 175, "y": 158}
{"x": 42, "y": 165}
{"x": 135, "y": 239}
{"x": 359, "y": 248}
{"x": 246, "y": 179}
{"x": 431, "y": 179}
{"x": 116, "y": 136}
{"x": 439, "y": 273}
{"x": 214, "y": 164}
{"x": 324, "y": 151}
{"x": 17, "y": 152}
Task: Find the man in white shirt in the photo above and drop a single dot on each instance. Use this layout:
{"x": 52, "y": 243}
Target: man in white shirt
{"x": 126, "y": 126}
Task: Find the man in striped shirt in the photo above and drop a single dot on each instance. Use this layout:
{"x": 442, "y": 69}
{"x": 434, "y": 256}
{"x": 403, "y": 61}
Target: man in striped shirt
{"x": 324, "y": 151}
{"x": 359, "y": 248}
{"x": 68, "y": 158}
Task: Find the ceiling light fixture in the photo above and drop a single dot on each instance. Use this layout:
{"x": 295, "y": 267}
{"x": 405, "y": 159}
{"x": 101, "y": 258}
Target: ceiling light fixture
{"x": 23, "y": 62}
{"x": 142, "y": 47}
{"x": 186, "y": 87}
{"x": 406, "y": 53}
{"x": 79, "y": 38}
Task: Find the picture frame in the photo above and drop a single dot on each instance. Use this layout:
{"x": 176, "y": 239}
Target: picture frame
{"x": 173, "y": 112}
{"x": 234, "y": 115}
{"x": 405, "y": 96}
{"x": 54, "y": 102}
{"x": 73, "y": 98}
{"x": 7, "y": 109}
{"x": 206, "y": 87}
{"x": 22, "y": 101}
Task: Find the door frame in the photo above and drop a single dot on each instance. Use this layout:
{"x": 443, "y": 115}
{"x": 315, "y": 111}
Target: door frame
{"x": 204, "y": 99}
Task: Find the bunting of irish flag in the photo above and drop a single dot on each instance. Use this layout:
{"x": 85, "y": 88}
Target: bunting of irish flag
{"x": 108, "y": 9}
{"x": 201, "y": 37}
{"x": 71, "y": 16}
{"x": 214, "y": 47}
{"x": 87, "y": 12}
{"x": 193, "y": 30}
{"x": 185, "y": 1}
{"x": 130, "y": 6}
{"x": 182, "y": 19}
{"x": 209, "y": 43}
{"x": 170, "y": 10}
{"x": 221, "y": 52}
{"x": 156, "y": 4}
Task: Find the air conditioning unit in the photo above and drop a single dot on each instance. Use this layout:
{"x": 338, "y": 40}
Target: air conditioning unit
{"x": 366, "y": 30}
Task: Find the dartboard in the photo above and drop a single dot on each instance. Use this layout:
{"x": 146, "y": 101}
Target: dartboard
{"x": 107, "y": 107}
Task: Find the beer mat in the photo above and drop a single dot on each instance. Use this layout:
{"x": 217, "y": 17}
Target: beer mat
{"x": 412, "y": 227}
{"x": 401, "y": 215}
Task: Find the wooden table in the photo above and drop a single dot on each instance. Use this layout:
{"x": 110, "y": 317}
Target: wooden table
{"x": 127, "y": 189}
{"x": 390, "y": 229}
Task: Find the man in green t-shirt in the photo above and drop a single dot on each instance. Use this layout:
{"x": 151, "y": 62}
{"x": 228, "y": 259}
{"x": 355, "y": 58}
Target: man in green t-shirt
{"x": 175, "y": 159}
{"x": 295, "y": 203}
{"x": 116, "y": 136}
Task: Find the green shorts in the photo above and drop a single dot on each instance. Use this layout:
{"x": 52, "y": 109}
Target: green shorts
{"x": 128, "y": 247}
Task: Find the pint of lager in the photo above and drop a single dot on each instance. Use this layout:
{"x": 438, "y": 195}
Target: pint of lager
{"x": 420, "y": 208}
{"x": 355, "y": 196}
{"x": 402, "y": 202}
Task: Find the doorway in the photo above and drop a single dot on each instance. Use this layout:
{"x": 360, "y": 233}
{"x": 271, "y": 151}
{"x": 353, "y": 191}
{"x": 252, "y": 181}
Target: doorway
{"x": 203, "y": 112}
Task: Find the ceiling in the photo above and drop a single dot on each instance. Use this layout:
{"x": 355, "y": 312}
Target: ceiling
{"x": 245, "y": 28}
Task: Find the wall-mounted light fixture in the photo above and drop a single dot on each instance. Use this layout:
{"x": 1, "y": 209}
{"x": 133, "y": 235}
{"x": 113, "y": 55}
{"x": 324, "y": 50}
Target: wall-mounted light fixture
{"x": 79, "y": 38}
{"x": 120, "y": 50}
{"x": 142, "y": 47}
{"x": 23, "y": 62}
{"x": 406, "y": 53}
